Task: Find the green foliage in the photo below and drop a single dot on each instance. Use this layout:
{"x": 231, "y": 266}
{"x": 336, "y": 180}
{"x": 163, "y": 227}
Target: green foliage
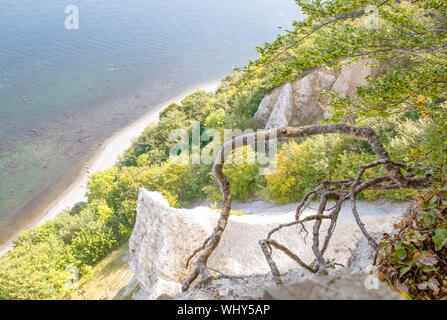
{"x": 34, "y": 271}
{"x": 191, "y": 183}
{"x": 420, "y": 143}
{"x": 409, "y": 35}
{"x": 67, "y": 227}
{"x": 124, "y": 218}
{"x": 349, "y": 165}
{"x": 233, "y": 106}
{"x": 197, "y": 106}
{"x": 101, "y": 183}
{"x": 242, "y": 173}
{"x": 36, "y": 235}
{"x": 413, "y": 259}
{"x": 164, "y": 179}
{"x": 301, "y": 167}
{"x": 143, "y": 160}
{"x": 423, "y": 146}
{"x": 216, "y": 119}
{"x": 405, "y": 105}
{"x": 77, "y": 208}
{"x": 91, "y": 244}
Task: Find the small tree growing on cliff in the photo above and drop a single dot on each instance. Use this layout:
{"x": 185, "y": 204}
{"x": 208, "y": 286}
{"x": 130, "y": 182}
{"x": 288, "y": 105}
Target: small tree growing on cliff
{"x": 409, "y": 39}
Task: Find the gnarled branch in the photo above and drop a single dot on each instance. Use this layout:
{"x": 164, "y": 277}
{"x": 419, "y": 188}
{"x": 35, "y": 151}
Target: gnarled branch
{"x": 328, "y": 190}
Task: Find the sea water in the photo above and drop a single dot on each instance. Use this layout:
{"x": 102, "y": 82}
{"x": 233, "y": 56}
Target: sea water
{"x": 64, "y": 91}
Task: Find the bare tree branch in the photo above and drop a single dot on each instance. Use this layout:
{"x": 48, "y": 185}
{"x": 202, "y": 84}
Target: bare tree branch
{"x": 341, "y": 191}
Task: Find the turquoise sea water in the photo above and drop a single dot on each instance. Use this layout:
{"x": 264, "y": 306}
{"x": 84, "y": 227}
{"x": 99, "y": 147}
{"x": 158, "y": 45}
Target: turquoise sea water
{"x": 63, "y": 92}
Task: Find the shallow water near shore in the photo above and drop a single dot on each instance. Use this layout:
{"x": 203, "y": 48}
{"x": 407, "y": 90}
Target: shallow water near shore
{"x": 64, "y": 92}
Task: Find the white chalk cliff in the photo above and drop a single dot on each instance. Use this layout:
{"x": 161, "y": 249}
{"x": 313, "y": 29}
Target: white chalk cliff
{"x": 299, "y": 103}
{"x": 164, "y": 237}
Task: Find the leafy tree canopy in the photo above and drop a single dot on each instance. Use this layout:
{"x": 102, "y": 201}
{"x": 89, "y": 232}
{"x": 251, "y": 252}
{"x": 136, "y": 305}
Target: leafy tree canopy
{"x": 408, "y": 36}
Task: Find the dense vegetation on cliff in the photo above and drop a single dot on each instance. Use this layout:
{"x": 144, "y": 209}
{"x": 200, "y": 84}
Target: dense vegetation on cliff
{"x": 405, "y": 105}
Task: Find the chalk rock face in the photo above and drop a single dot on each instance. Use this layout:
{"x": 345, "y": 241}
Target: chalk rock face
{"x": 160, "y": 242}
{"x": 298, "y": 103}
{"x": 164, "y": 237}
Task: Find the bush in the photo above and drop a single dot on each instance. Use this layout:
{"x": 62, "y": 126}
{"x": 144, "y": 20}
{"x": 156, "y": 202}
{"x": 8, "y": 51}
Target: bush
{"x": 409, "y": 135}
{"x": 67, "y": 226}
{"x": 243, "y": 175}
{"x": 197, "y": 106}
{"x": 123, "y": 220}
{"x": 301, "y": 167}
{"x": 36, "y": 235}
{"x": 164, "y": 179}
{"x": 423, "y": 145}
{"x": 34, "y": 271}
{"x": 349, "y": 165}
{"x": 101, "y": 183}
{"x": 191, "y": 183}
{"x": 413, "y": 259}
{"x": 91, "y": 244}
{"x": 216, "y": 119}
{"x": 77, "y": 208}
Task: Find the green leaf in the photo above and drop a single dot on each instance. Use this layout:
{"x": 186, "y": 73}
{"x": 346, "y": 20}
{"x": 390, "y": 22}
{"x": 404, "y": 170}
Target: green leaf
{"x": 440, "y": 238}
{"x": 427, "y": 269}
{"x": 404, "y": 270}
{"x": 399, "y": 251}
{"x": 427, "y": 219}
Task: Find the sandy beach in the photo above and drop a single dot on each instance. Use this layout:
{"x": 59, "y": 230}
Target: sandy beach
{"x": 106, "y": 157}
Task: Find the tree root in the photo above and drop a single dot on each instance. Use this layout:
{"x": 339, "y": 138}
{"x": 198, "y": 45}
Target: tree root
{"x": 340, "y": 191}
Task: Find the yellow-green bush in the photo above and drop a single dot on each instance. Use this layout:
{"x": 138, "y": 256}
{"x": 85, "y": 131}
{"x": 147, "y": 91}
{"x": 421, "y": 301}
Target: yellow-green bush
{"x": 34, "y": 271}
{"x": 302, "y": 166}
{"x": 349, "y": 165}
{"x": 242, "y": 173}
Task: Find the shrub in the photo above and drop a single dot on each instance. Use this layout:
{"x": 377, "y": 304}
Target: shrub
{"x": 77, "y": 208}
{"x": 68, "y": 226}
{"x": 143, "y": 160}
{"x": 301, "y": 167}
{"x": 36, "y": 235}
{"x": 123, "y": 220}
{"x": 197, "y": 106}
{"x": 243, "y": 175}
{"x": 216, "y": 119}
{"x": 413, "y": 259}
{"x": 349, "y": 165}
{"x": 101, "y": 183}
{"x": 164, "y": 179}
{"x": 191, "y": 183}
{"x": 423, "y": 145}
{"x": 91, "y": 244}
{"x": 409, "y": 135}
{"x": 34, "y": 271}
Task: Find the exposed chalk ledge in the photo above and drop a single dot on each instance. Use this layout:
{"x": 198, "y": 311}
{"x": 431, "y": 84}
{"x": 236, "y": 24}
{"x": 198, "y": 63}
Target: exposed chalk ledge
{"x": 164, "y": 237}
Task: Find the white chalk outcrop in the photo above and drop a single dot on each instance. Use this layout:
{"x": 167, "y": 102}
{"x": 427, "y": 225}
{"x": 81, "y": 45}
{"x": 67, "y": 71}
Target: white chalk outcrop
{"x": 298, "y": 103}
{"x": 164, "y": 237}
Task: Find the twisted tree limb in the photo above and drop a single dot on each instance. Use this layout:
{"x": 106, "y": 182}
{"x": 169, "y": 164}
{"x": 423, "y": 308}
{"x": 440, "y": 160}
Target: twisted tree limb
{"x": 341, "y": 191}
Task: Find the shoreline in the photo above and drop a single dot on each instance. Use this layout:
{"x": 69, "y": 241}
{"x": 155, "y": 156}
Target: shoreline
{"x": 105, "y": 157}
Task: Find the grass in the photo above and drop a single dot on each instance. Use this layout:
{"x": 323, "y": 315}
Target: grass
{"x": 107, "y": 280}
